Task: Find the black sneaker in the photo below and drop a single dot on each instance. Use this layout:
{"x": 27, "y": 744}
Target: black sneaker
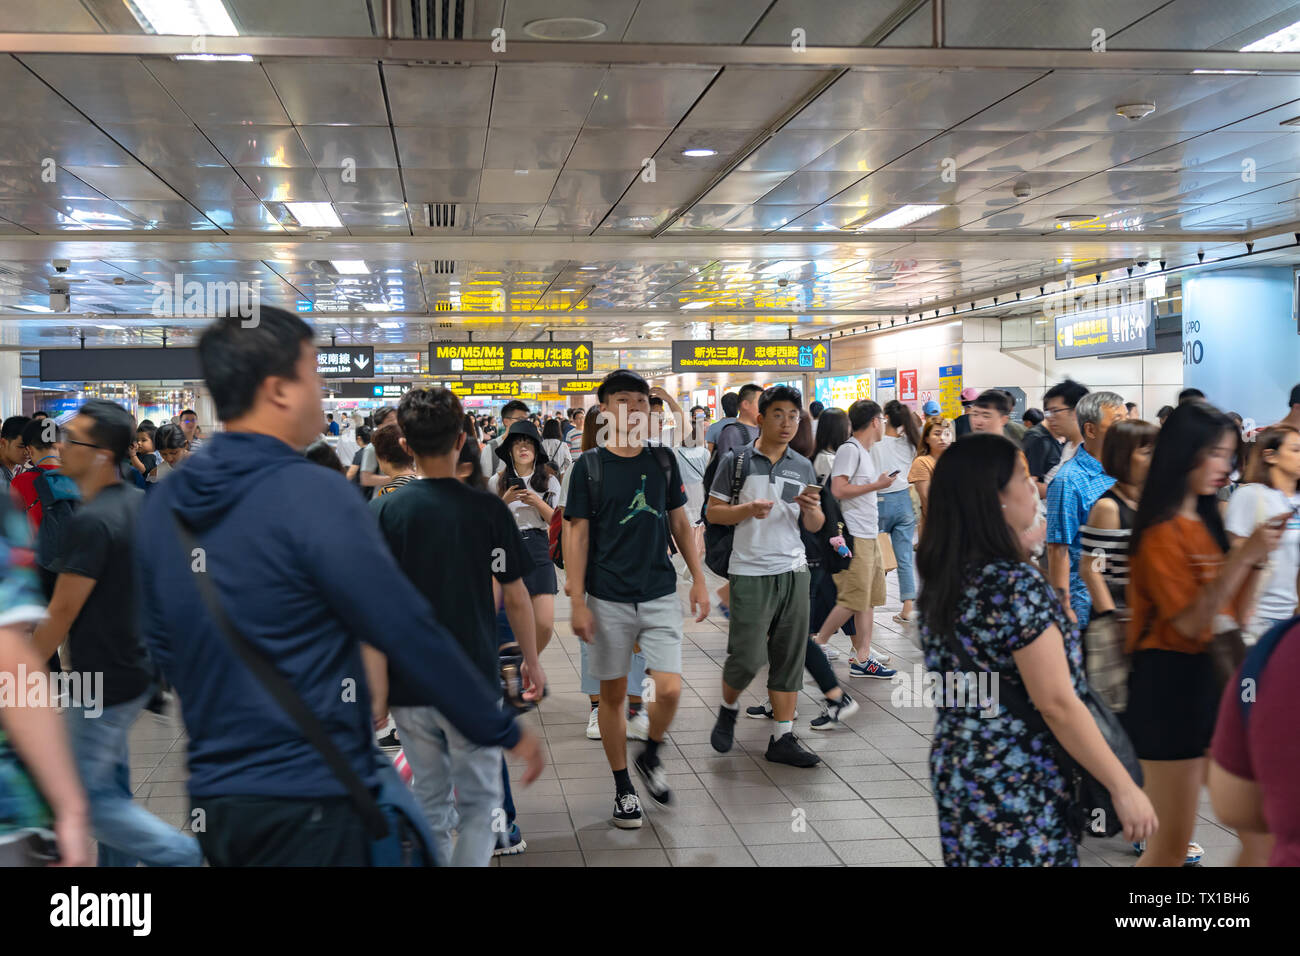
{"x": 787, "y": 750}
{"x": 764, "y": 710}
{"x": 627, "y": 811}
{"x": 656, "y": 781}
{"x": 389, "y": 740}
{"x": 833, "y": 711}
{"x": 724, "y": 731}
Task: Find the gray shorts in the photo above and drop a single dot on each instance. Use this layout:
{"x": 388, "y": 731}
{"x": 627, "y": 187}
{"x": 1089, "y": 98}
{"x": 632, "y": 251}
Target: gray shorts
{"x": 654, "y": 625}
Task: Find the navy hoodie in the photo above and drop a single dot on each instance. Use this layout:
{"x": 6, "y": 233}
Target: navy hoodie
{"x": 303, "y": 572}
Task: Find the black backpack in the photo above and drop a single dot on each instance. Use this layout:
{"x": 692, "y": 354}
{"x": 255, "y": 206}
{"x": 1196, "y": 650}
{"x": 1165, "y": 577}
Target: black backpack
{"x": 712, "y": 468}
{"x": 718, "y": 538}
{"x": 817, "y": 544}
{"x": 59, "y": 498}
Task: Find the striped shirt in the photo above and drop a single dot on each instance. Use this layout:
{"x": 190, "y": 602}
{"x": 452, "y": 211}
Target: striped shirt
{"x": 1109, "y": 547}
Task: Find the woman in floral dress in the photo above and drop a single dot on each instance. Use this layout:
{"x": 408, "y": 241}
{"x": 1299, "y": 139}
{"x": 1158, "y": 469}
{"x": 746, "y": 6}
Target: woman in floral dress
{"x": 1002, "y": 794}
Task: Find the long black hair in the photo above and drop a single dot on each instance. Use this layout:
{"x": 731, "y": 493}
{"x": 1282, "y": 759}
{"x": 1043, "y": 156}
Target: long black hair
{"x": 900, "y": 417}
{"x": 540, "y": 480}
{"x": 1190, "y": 431}
{"x": 832, "y": 430}
{"x": 964, "y": 527}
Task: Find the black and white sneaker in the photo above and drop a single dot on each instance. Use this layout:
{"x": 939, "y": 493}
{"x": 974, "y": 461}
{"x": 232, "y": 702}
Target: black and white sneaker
{"x": 389, "y": 740}
{"x": 833, "y": 711}
{"x": 656, "y": 781}
{"x": 627, "y": 811}
{"x": 764, "y": 710}
{"x": 788, "y": 750}
{"x": 724, "y": 731}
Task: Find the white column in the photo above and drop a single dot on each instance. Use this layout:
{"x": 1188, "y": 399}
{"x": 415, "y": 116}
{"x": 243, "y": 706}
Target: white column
{"x": 11, "y": 384}
{"x": 207, "y": 412}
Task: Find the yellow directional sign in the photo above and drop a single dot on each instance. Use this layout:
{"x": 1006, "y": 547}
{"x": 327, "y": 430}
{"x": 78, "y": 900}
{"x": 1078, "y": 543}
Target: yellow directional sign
{"x": 579, "y": 386}
{"x": 779, "y": 355}
{"x": 503, "y": 358}
{"x": 464, "y": 389}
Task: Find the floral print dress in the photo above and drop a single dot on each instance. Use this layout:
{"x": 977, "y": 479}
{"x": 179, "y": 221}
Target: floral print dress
{"x": 1001, "y": 793}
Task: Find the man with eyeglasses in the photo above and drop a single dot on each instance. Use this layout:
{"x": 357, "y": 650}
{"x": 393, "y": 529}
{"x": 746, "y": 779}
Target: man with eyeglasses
{"x": 13, "y": 452}
{"x": 1041, "y": 444}
{"x": 1059, "y": 416}
{"x": 515, "y": 411}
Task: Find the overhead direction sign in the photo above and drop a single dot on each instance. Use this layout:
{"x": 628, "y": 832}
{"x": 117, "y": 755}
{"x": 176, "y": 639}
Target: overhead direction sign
{"x": 1122, "y": 330}
{"x": 464, "y": 389}
{"x": 777, "y": 355}
{"x": 504, "y": 358}
{"x": 579, "y": 386}
{"x": 351, "y": 361}
{"x": 120, "y": 365}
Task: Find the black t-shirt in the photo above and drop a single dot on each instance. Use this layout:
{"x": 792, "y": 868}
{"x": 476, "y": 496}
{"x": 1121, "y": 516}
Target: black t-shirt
{"x": 99, "y": 543}
{"x": 627, "y": 560}
{"x": 451, "y": 540}
{"x": 1042, "y": 450}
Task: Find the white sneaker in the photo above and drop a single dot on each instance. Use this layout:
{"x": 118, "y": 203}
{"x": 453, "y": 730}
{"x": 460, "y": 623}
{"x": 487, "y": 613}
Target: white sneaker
{"x": 879, "y": 656}
{"x": 831, "y": 653}
{"x": 593, "y": 725}
{"x": 638, "y": 727}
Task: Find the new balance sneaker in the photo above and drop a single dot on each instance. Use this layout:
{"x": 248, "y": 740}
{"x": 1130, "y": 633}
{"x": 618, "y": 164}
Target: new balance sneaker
{"x": 638, "y": 725}
{"x": 655, "y": 779}
{"x": 759, "y": 711}
{"x": 789, "y": 751}
{"x": 627, "y": 811}
{"x": 593, "y": 725}
{"x": 872, "y": 668}
{"x": 510, "y": 844}
{"x": 833, "y": 711}
{"x": 724, "y": 730}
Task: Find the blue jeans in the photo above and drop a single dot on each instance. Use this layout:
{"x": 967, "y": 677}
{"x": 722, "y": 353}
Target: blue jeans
{"x": 458, "y": 784}
{"x": 635, "y": 674}
{"x": 127, "y": 833}
{"x": 898, "y": 520}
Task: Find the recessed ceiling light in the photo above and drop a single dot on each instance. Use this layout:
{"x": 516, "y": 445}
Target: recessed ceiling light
{"x": 902, "y": 216}
{"x": 568, "y": 290}
{"x": 564, "y": 28}
{"x": 699, "y": 152}
{"x": 1135, "y": 111}
{"x": 350, "y": 267}
{"x": 189, "y": 18}
{"x": 588, "y": 268}
{"x": 311, "y": 215}
{"x": 1286, "y": 40}
{"x": 113, "y": 328}
{"x": 390, "y": 325}
{"x": 376, "y": 307}
{"x": 618, "y": 340}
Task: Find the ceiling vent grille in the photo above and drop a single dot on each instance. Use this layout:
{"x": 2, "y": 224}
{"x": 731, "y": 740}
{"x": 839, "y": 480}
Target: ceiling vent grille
{"x": 444, "y": 267}
{"x": 443, "y": 19}
{"x": 446, "y": 325}
{"x": 440, "y": 215}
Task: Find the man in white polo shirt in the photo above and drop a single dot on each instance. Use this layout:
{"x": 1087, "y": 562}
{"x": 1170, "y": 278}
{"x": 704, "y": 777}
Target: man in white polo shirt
{"x": 768, "y": 570}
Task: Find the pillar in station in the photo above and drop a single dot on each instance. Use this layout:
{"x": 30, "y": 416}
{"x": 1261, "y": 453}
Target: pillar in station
{"x": 1240, "y": 341}
{"x": 11, "y": 384}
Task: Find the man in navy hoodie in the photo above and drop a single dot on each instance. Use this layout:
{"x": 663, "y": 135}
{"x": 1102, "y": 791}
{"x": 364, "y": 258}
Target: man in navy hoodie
{"x": 296, "y": 560}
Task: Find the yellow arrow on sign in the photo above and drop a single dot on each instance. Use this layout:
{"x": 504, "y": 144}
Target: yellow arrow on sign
{"x": 581, "y": 352}
{"x": 1060, "y": 337}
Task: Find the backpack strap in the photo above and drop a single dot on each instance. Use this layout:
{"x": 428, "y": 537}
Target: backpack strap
{"x": 1257, "y": 658}
{"x": 738, "y": 476}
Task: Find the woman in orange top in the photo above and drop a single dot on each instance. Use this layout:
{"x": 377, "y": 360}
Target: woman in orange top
{"x": 1181, "y": 579}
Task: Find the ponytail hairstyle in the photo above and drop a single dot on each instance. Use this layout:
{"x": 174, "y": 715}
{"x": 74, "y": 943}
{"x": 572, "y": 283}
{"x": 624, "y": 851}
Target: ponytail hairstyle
{"x": 900, "y": 417}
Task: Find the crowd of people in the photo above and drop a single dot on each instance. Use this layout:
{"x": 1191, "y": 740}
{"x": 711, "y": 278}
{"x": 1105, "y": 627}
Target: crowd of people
{"x": 1081, "y": 554}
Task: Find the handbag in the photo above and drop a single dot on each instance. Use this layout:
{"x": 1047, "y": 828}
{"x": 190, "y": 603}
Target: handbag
{"x": 1091, "y": 809}
{"x": 398, "y": 836}
{"x": 1105, "y": 661}
{"x": 888, "y": 561}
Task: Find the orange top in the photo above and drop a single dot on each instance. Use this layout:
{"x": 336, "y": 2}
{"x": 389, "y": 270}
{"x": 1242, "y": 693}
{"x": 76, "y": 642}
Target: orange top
{"x": 1175, "y": 559}
{"x": 922, "y": 468}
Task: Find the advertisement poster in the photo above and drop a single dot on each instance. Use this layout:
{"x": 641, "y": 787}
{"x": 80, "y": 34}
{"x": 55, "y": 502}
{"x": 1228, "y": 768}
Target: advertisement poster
{"x": 950, "y": 391}
{"x": 907, "y": 385}
{"x": 841, "y": 391}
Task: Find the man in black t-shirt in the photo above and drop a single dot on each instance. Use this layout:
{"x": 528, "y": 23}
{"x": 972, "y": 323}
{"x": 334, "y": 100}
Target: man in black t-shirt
{"x": 477, "y": 541}
{"x": 94, "y": 608}
{"x": 622, "y": 586}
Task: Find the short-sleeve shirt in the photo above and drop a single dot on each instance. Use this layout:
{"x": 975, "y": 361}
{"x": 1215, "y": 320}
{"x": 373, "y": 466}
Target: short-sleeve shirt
{"x": 99, "y": 543}
{"x": 737, "y": 436}
{"x": 527, "y": 516}
{"x": 711, "y": 433}
{"x": 1174, "y": 560}
{"x": 1042, "y": 451}
{"x": 1267, "y": 750}
{"x": 922, "y": 469}
{"x": 770, "y": 545}
{"x": 893, "y": 453}
{"x": 861, "y": 513}
{"x": 627, "y": 558}
{"x": 476, "y": 541}
{"x": 1070, "y": 498}
{"x": 1249, "y": 507}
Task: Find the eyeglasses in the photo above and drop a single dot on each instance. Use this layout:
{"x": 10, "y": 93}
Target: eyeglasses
{"x": 1049, "y": 412}
{"x": 782, "y": 418}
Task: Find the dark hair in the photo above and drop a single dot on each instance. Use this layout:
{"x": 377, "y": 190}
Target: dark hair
{"x": 1068, "y": 391}
{"x": 802, "y": 442}
{"x": 40, "y": 413}
{"x": 900, "y": 416}
{"x": 1031, "y": 417}
{"x": 1188, "y": 394}
{"x": 730, "y": 404}
{"x": 622, "y": 380}
{"x": 590, "y": 428}
{"x": 996, "y": 399}
{"x": 330, "y": 416}
{"x": 552, "y": 429}
{"x": 747, "y": 392}
{"x": 574, "y": 413}
{"x": 190, "y": 411}
{"x": 816, "y": 408}
{"x": 111, "y": 426}
{"x": 832, "y": 430}
{"x": 377, "y": 419}
{"x": 236, "y": 360}
{"x": 1165, "y": 412}
{"x": 1268, "y": 439}
{"x": 13, "y": 427}
{"x": 34, "y": 434}
{"x": 1190, "y": 431}
{"x": 1130, "y": 405}
{"x": 862, "y": 413}
{"x": 512, "y": 406}
{"x": 1122, "y": 439}
{"x": 387, "y": 440}
{"x": 469, "y": 455}
{"x": 656, "y": 401}
{"x": 540, "y": 480}
{"x": 322, "y": 454}
{"x": 169, "y": 436}
{"x": 698, "y": 408}
{"x": 146, "y": 427}
{"x": 363, "y": 435}
{"x": 430, "y": 419}
{"x": 964, "y": 527}
{"x": 779, "y": 393}
{"x": 1295, "y": 395}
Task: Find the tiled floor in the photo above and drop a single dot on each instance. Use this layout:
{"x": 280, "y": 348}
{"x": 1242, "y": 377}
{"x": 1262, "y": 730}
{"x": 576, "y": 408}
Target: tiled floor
{"x": 867, "y": 804}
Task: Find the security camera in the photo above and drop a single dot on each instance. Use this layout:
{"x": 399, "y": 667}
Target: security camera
{"x": 1020, "y": 190}
{"x": 61, "y": 265}
{"x": 783, "y": 282}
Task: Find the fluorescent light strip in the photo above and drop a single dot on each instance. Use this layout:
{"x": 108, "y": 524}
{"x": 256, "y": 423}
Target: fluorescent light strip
{"x": 184, "y": 17}
{"x": 1286, "y": 40}
{"x": 350, "y": 267}
{"x": 312, "y": 215}
{"x": 902, "y": 216}
{"x": 695, "y": 305}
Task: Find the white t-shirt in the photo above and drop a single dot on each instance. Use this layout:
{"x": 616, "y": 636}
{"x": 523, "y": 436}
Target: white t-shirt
{"x": 893, "y": 453}
{"x": 1249, "y": 507}
{"x": 823, "y": 462}
{"x": 692, "y": 463}
{"x": 526, "y": 516}
{"x": 861, "y": 513}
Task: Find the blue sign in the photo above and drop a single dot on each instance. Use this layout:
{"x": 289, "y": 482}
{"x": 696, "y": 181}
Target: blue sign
{"x": 949, "y": 371}
{"x": 885, "y": 382}
{"x": 304, "y": 305}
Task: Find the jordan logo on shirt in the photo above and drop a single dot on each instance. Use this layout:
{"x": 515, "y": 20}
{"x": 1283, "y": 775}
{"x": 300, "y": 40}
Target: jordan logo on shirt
{"x": 639, "y": 504}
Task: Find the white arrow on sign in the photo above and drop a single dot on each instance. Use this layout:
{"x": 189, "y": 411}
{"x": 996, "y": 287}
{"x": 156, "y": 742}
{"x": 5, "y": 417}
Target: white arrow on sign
{"x": 361, "y": 361}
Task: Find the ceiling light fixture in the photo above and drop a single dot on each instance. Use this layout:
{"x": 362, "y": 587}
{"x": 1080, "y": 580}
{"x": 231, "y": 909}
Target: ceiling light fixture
{"x": 1135, "y": 111}
{"x": 696, "y": 305}
{"x": 1286, "y": 40}
{"x": 902, "y": 216}
{"x": 390, "y": 325}
{"x": 350, "y": 267}
{"x": 699, "y": 152}
{"x": 184, "y": 17}
{"x": 564, "y": 28}
{"x": 311, "y": 215}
